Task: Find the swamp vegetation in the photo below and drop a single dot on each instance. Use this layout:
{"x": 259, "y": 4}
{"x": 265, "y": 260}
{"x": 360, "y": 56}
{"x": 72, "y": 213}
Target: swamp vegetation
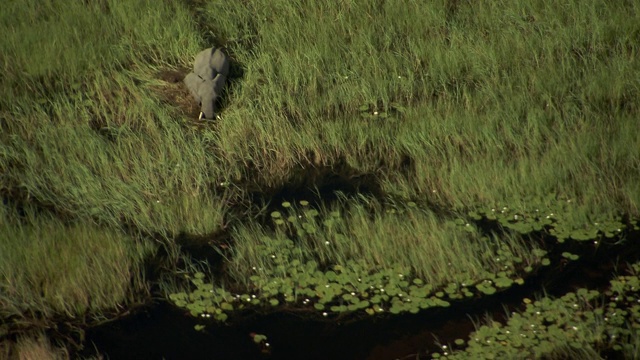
{"x": 397, "y": 167}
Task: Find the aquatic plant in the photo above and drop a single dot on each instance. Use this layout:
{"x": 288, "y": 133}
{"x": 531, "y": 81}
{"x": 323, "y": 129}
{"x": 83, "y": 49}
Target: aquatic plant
{"x": 295, "y": 265}
{"x": 578, "y": 325}
{"x": 557, "y": 217}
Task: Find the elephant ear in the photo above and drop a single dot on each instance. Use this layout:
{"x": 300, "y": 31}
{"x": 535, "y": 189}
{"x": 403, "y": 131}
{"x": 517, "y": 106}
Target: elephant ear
{"x": 219, "y": 62}
{"x": 201, "y": 66}
{"x": 218, "y": 84}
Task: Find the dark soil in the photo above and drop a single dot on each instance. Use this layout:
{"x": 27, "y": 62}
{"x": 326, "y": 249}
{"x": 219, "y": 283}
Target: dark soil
{"x": 174, "y": 93}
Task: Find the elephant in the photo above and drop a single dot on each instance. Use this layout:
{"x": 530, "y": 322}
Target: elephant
{"x": 206, "y": 82}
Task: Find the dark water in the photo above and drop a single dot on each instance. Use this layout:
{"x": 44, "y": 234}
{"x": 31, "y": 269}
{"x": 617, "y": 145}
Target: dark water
{"x": 163, "y": 332}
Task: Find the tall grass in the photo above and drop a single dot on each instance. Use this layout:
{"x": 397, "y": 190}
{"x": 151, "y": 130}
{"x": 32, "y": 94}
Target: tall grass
{"x": 32, "y": 347}
{"x": 363, "y": 233}
{"x": 50, "y": 268}
{"x": 48, "y": 46}
{"x": 36, "y": 346}
{"x": 485, "y": 102}
{"x": 136, "y": 179}
{"x": 501, "y": 99}
{"x": 82, "y": 130}
{"x": 83, "y": 136}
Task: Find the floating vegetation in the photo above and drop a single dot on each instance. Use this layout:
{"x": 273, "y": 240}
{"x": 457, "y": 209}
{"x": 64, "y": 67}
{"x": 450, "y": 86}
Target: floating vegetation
{"x": 554, "y": 217}
{"x": 298, "y": 266}
{"x": 579, "y": 325}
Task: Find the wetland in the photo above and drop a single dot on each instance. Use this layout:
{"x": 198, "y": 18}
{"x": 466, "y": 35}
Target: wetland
{"x": 445, "y": 181}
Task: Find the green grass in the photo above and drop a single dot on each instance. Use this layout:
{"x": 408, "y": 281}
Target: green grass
{"x": 408, "y": 238}
{"x": 462, "y": 106}
{"x": 493, "y": 111}
{"x": 36, "y": 346}
{"x": 358, "y": 258}
{"x": 33, "y": 346}
{"x": 85, "y": 38}
{"x": 495, "y": 105}
{"x": 151, "y": 175}
{"x": 135, "y": 180}
{"x": 51, "y": 269}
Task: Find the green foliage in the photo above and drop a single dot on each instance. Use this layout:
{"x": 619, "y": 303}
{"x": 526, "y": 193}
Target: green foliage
{"x": 51, "y": 268}
{"x": 462, "y": 107}
{"x": 578, "y": 325}
{"x": 557, "y": 217}
{"x": 296, "y": 266}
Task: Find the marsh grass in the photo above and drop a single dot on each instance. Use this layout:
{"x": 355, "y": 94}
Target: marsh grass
{"x": 50, "y": 46}
{"x": 36, "y": 346}
{"x": 32, "y": 347}
{"x": 89, "y": 178}
{"x": 500, "y": 99}
{"x": 84, "y": 138}
{"x": 494, "y": 109}
{"x": 368, "y": 235}
{"x": 359, "y": 258}
{"x": 50, "y": 268}
{"x": 94, "y": 143}
{"x": 463, "y": 105}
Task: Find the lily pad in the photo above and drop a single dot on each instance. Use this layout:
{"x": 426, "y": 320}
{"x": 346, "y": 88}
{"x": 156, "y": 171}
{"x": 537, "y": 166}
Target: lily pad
{"x": 259, "y": 338}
